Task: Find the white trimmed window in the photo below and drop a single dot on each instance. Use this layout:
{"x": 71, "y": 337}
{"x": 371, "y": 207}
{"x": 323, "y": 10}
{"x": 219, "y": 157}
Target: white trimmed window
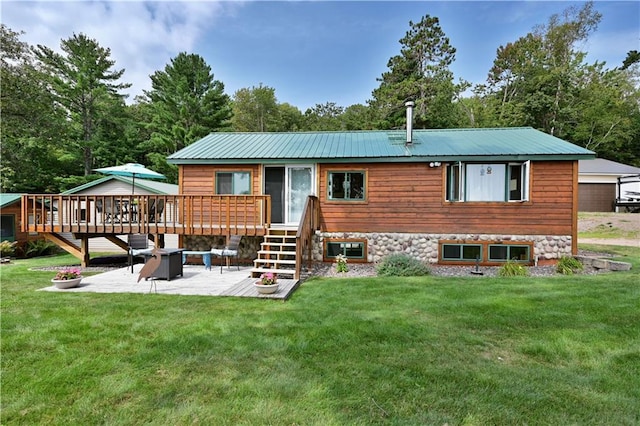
{"x": 499, "y": 182}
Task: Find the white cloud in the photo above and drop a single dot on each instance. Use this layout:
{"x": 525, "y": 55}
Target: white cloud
{"x": 142, "y": 36}
{"x": 611, "y": 47}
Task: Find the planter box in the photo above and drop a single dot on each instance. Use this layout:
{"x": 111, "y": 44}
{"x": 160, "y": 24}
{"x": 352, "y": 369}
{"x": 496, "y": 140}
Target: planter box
{"x": 73, "y": 282}
{"x": 266, "y": 289}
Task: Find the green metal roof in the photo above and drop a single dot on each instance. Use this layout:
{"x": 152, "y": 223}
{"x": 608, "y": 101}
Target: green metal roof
{"x": 160, "y": 188}
{"x": 7, "y": 199}
{"x": 379, "y": 146}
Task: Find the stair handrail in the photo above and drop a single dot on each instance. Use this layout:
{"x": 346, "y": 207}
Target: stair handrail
{"x": 309, "y": 223}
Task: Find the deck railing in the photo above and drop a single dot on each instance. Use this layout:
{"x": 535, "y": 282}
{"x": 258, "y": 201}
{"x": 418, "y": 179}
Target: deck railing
{"x": 309, "y": 222}
{"x": 151, "y": 214}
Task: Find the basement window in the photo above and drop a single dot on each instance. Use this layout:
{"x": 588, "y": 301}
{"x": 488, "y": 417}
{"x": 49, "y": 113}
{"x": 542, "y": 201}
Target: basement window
{"x": 504, "y": 252}
{"x": 352, "y": 249}
{"x": 461, "y": 252}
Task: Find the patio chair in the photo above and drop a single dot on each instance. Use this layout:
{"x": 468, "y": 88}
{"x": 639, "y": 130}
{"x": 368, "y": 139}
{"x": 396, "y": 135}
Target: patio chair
{"x": 155, "y": 210}
{"x": 231, "y": 250}
{"x": 138, "y": 245}
{"x": 111, "y": 211}
{"x": 99, "y": 208}
{"x": 107, "y": 207}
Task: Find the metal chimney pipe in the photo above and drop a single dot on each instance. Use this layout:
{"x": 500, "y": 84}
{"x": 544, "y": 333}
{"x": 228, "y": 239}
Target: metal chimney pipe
{"x": 409, "y": 105}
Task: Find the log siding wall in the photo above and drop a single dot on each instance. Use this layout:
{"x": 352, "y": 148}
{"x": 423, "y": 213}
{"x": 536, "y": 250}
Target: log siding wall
{"x": 201, "y": 179}
{"x": 409, "y": 198}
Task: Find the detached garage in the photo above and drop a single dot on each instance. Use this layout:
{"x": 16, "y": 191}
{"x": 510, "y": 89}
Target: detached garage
{"x": 598, "y": 184}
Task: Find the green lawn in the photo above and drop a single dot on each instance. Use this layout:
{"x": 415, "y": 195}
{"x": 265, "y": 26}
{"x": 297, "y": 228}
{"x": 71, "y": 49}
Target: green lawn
{"x": 434, "y": 350}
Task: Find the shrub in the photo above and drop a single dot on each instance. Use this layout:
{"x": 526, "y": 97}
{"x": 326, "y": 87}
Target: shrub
{"x": 568, "y": 265}
{"x": 37, "y": 248}
{"x": 7, "y": 248}
{"x": 402, "y": 265}
{"x": 513, "y": 269}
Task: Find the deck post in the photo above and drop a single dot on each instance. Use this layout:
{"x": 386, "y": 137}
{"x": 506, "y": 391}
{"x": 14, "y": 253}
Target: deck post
{"x": 84, "y": 249}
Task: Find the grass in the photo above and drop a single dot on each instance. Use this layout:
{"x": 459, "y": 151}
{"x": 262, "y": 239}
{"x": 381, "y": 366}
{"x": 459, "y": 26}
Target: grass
{"x": 401, "y": 351}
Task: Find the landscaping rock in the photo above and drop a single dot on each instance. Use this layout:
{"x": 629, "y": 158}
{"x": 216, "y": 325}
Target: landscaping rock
{"x": 600, "y": 263}
{"x": 616, "y": 265}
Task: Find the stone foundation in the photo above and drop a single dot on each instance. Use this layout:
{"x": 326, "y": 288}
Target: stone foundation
{"x": 424, "y": 247}
{"x": 248, "y": 248}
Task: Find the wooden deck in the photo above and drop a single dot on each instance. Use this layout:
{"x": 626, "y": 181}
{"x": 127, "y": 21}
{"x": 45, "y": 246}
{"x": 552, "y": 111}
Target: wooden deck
{"x": 90, "y": 215}
{"x": 111, "y": 216}
{"x": 245, "y": 288}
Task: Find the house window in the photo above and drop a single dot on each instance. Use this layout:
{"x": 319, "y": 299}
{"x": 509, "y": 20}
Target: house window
{"x": 454, "y": 182}
{"x": 233, "y": 183}
{"x": 347, "y": 186}
{"x": 504, "y": 252}
{"x": 487, "y": 182}
{"x": 518, "y": 181}
{"x": 349, "y": 248}
{"x": 461, "y": 252}
{"x": 7, "y": 227}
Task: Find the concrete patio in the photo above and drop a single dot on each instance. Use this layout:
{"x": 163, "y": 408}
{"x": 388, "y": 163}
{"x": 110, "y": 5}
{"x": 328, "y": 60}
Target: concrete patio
{"x": 196, "y": 281}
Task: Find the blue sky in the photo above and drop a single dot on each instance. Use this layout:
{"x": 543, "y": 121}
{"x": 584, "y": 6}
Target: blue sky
{"x": 311, "y": 52}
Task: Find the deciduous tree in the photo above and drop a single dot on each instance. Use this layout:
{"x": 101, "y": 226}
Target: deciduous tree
{"x": 255, "y": 109}
{"x": 607, "y": 118}
{"x": 324, "y": 117}
{"x": 290, "y": 118}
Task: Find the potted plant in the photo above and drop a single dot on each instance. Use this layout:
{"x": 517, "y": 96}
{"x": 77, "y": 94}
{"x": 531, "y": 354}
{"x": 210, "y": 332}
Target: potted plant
{"x": 67, "y": 278}
{"x": 268, "y": 283}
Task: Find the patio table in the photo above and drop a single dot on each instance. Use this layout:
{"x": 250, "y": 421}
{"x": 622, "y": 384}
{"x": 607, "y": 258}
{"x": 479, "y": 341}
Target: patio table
{"x": 170, "y": 264}
{"x": 206, "y": 257}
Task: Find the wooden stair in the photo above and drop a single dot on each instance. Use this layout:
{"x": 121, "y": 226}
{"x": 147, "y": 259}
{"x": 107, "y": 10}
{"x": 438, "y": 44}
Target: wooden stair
{"x": 277, "y": 254}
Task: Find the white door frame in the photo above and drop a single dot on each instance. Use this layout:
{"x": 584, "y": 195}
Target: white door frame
{"x": 287, "y": 193}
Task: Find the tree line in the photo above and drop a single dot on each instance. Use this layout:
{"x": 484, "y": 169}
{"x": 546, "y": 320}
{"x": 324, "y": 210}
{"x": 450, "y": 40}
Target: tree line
{"x": 63, "y": 114}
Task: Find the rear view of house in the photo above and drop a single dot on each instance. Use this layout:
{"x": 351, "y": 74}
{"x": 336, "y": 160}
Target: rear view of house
{"x": 442, "y": 196}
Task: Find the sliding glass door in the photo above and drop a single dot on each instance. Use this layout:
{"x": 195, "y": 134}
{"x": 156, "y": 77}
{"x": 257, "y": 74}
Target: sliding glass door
{"x": 299, "y": 187}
